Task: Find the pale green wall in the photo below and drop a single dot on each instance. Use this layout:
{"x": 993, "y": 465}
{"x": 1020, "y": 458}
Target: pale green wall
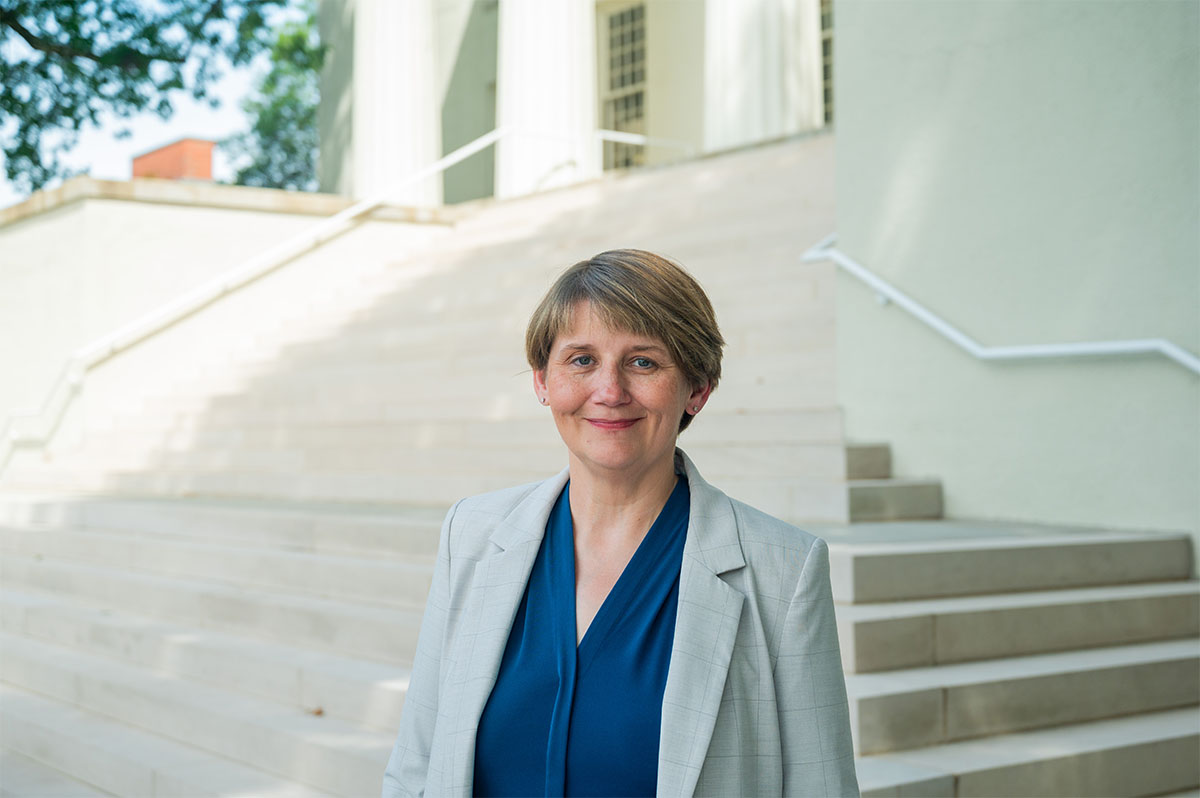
{"x": 1030, "y": 172}
{"x": 674, "y": 76}
{"x": 467, "y": 58}
{"x": 335, "y": 22}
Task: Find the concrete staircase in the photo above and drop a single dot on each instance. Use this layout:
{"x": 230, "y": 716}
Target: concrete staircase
{"x": 205, "y": 647}
{"x": 208, "y": 648}
{"x": 996, "y": 659}
{"x": 404, "y": 382}
{"x": 211, "y": 580}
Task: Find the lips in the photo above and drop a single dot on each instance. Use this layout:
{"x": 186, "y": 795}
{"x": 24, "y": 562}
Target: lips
{"x": 614, "y": 424}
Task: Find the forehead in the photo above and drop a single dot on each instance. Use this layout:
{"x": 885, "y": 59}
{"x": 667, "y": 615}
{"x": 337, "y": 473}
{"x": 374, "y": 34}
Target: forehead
{"x": 586, "y": 327}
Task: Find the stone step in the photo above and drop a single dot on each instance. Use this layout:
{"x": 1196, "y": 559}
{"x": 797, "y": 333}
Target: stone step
{"x": 764, "y": 427}
{"x": 383, "y": 634}
{"x": 322, "y": 752}
{"x": 300, "y": 526}
{"x": 28, "y": 778}
{"x": 352, "y": 488}
{"x": 413, "y": 397}
{"x": 758, "y": 299}
{"x": 798, "y": 499}
{"x": 1141, "y": 755}
{"x": 790, "y": 460}
{"x": 359, "y": 691}
{"x": 904, "y": 570}
{"x": 401, "y": 334}
{"x": 895, "y": 499}
{"x": 347, "y": 364}
{"x": 868, "y": 461}
{"x": 508, "y": 397}
{"x": 773, "y": 428}
{"x": 80, "y": 754}
{"x": 920, "y": 707}
{"x": 403, "y": 346}
{"x": 395, "y": 582}
{"x": 794, "y": 500}
{"x": 927, "y": 632}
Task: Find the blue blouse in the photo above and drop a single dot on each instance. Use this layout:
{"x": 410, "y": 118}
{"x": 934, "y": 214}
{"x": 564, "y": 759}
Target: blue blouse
{"x": 584, "y": 721}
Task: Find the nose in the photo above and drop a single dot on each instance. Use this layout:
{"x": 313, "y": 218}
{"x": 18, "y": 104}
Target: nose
{"x": 610, "y": 386}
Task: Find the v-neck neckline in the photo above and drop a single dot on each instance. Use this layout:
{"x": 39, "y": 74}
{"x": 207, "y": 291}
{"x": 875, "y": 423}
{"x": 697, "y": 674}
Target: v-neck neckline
{"x": 620, "y": 629}
{"x": 625, "y": 589}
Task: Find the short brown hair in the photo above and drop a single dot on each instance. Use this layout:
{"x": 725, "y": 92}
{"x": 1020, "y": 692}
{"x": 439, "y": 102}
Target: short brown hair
{"x": 638, "y": 292}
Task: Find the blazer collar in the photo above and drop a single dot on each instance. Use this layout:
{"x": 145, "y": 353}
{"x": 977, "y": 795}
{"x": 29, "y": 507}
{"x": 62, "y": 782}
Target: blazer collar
{"x": 712, "y": 533}
{"x": 706, "y": 626}
{"x": 713, "y": 538}
{"x": 705, "y": 629}
{"x": 497, "y": 585}
{"x": 527, "y": 521}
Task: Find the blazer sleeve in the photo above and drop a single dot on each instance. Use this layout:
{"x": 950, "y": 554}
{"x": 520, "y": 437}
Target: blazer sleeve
{"x": 408, "y": 766}
{"x": 818, "y": 754}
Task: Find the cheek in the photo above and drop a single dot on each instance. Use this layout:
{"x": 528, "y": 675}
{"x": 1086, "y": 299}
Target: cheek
{"x": 567, "y": 391}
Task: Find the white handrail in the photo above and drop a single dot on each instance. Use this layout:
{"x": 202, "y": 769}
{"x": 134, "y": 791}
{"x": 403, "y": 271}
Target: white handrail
{"x": 622, "y": 137}
{"x": 71, "y": 377}
{"x": 90, "y": 355}
{"x": 825, "y": 250}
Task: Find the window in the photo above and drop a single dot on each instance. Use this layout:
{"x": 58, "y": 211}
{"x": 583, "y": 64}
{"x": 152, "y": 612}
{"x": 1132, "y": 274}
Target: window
{"x": 827, "y": 57}
{"x": 623, "y": 82}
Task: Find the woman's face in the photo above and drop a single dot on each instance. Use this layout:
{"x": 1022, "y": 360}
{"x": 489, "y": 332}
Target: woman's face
{"x": 616, "y": 397}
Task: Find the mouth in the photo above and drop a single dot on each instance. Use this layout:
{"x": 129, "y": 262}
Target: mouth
{"x": 613, "y": 424}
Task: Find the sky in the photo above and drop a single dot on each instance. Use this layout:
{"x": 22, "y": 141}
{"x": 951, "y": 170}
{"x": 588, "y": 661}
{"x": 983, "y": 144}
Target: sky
{"x": 102, "y": 155}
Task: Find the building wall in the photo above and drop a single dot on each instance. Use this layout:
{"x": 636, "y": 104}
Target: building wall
{"x": 466, "y": 64}
{"x": 1029, "y": 172}
{"x": 721, "y": 74}
{"x": 674, "y": 77}
{"x": 186, "y": 159}
{"x": 335, "y": 114}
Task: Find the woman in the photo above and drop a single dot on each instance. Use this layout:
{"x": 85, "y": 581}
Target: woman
{"x": 624, "y": 628}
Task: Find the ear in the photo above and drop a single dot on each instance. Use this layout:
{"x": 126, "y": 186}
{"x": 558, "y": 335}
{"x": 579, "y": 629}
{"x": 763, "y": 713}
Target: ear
{"x": 698, "y": 398}
{"x": 539, "y": 383}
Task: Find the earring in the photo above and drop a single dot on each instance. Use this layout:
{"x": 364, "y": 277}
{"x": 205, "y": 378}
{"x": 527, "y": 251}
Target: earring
{"x": 542, "y": 399}
{"x": 695, "y": 408}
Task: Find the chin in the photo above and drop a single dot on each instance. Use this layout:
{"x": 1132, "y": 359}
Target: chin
{"x": 615, "y": 458}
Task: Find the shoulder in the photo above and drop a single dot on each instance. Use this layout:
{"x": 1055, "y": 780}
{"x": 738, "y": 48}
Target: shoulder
{"x": 472, "y": 520}
{"x": 780, "y": 558}
{"x": 493, "y": 506}
{"x": 772, "y": 548}
{"x": 760, "y": 532}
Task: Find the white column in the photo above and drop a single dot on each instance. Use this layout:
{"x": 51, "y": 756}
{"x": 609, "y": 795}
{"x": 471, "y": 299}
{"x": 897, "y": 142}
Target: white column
{"x": 397, "y": 122}
{"x": 762, "y": 70}
{"x": 546, "y": 92}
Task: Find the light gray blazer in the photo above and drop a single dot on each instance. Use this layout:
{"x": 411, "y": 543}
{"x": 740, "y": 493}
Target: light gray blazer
{"x": 755, "y": 701}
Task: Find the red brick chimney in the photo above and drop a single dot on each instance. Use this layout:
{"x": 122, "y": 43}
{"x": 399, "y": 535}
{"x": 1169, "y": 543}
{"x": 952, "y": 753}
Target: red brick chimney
{"x": 186, "y": 159}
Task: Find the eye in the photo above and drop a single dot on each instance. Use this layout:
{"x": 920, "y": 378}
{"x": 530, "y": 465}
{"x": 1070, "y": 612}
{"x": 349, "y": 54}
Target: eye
{"x": 583, "y": 360}
{"x": 644, "y": 363}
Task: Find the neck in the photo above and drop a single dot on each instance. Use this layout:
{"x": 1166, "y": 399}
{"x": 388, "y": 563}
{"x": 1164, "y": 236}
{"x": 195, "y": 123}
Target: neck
{"x": 618, "y": 505}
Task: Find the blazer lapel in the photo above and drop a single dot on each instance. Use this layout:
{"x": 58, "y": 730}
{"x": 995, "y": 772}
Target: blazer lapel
{"x": 496, "y": 590}
{"x": 705, "y": 629}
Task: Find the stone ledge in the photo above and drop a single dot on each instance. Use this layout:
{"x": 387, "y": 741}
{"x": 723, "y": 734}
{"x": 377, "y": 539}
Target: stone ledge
{"x": 208, "y": 195}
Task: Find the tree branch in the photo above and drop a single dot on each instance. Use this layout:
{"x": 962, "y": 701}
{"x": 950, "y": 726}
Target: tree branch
{"x": 9, "y": 19}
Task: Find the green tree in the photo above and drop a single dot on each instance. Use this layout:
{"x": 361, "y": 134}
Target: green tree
{"x": 66, "y": 63}
{"x": 280, "y": 149}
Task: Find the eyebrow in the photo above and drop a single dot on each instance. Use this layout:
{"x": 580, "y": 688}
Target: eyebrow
{"x": 638, "y": 348}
